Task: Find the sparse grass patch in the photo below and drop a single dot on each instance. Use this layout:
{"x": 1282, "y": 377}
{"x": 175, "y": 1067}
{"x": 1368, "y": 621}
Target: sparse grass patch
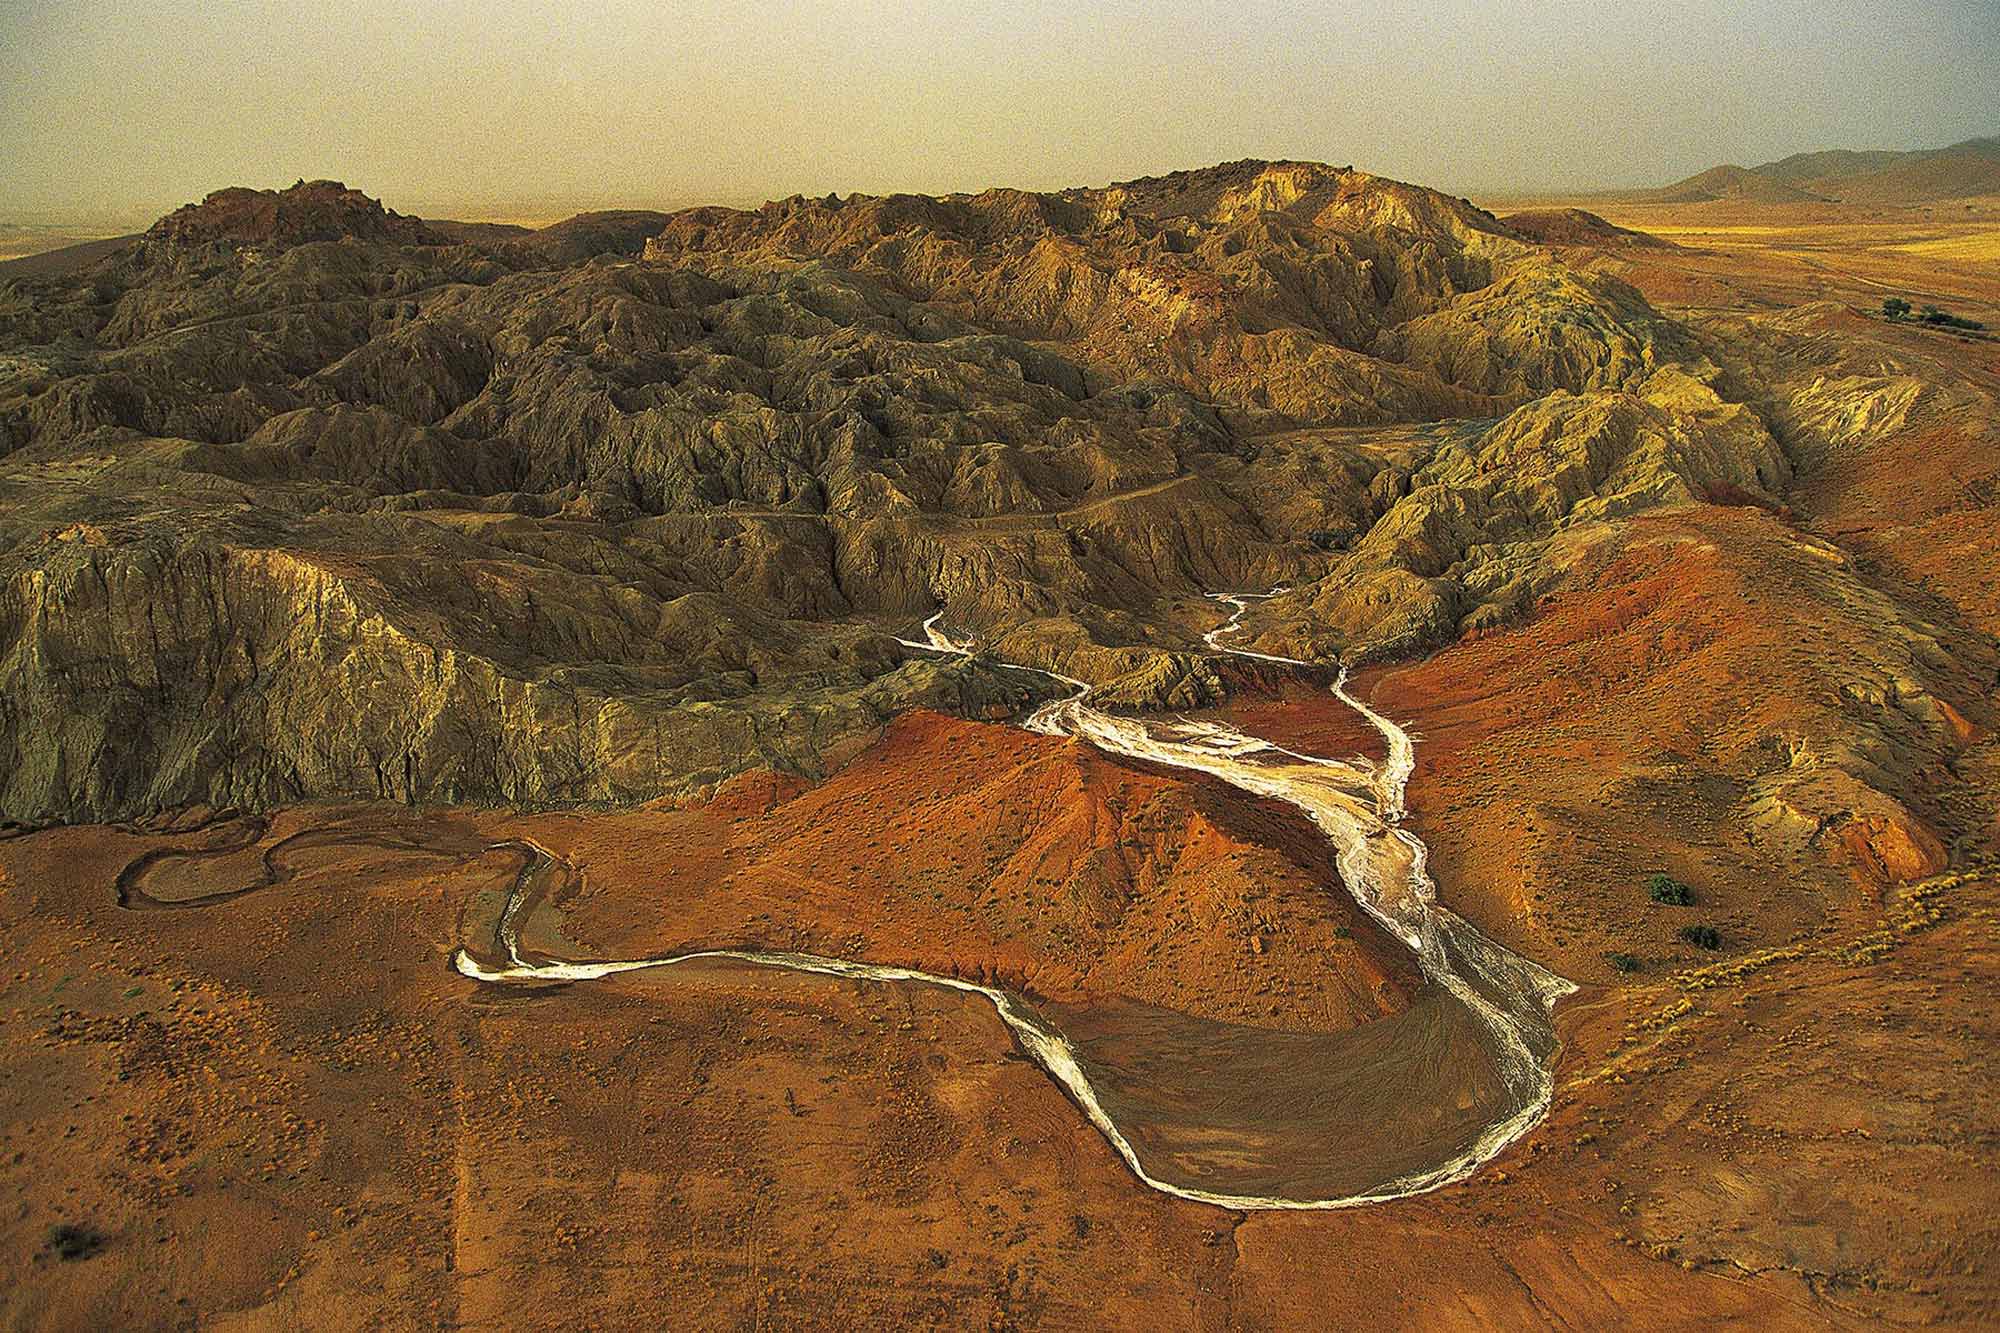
{"x": 1870, "y": 948}
{"x": 1665, "y": 1018}
{"x": 1971, "y": 245}
{"x": 1728, "y": 974}
{"x": 1919, "y": 908}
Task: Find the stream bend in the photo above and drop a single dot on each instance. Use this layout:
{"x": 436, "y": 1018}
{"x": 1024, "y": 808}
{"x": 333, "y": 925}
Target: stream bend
{"x": 1358, "y": 806}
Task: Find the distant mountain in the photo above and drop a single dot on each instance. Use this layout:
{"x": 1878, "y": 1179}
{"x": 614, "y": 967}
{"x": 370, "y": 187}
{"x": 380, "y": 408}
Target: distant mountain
{"x": 1750, "y": 185}
{"x": 1833, "y": 164}
{"x": 1957, "y": 172}
{"x": 615, "y": 232}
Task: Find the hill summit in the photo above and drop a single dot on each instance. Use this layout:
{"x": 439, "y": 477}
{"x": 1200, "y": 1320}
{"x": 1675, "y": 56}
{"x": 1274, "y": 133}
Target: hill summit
{"x": 308, "y": 211}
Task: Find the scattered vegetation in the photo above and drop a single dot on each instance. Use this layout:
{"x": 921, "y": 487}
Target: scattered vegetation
{"x": 1622, "y": 962}
{"x": 1945, "y": 319}
{"x": 1733, "y": 971}
{"x": 1896, "y": 308}
{"x": 1664, "y": 888}
{"x": 1701, "y": 937}
{"x": 1919, "y": 908}
{"x": 75, "y": 1240}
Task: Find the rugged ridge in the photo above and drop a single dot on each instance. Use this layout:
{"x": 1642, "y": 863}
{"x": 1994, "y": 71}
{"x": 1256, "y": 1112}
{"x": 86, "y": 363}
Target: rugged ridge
{"x": 344, "y": 503}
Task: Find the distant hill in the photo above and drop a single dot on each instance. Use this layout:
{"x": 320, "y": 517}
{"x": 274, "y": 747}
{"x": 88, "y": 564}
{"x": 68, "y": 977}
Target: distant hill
{"x": 1925, "y": 176}
{"x": 1574, "y": 227}
{"x": 479, "y": 233}
{"x": 1747, "y": 184}
{"x": 1834, "y": 164}
{"x": 64, "y": 259}
{"x": 612, "y": 232}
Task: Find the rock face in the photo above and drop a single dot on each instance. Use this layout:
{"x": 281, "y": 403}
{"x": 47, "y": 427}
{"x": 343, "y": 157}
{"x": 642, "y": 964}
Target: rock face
{"x": 146, "y": 675}
{"x": 300, "y": 497}
{"x": 1468, "y": 544}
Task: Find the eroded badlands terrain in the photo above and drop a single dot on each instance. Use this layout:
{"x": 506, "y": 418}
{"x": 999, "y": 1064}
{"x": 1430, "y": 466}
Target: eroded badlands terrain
{"x": 348, "y": 556}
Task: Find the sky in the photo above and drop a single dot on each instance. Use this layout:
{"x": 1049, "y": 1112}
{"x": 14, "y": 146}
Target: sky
{"x": 504, "y": 108}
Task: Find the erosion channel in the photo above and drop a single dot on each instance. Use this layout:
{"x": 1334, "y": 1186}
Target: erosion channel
{"x": 1221, "y": 1113}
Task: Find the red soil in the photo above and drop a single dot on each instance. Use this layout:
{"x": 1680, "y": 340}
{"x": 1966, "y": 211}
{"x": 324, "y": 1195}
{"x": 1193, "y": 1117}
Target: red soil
{"x": 988, "y": 852}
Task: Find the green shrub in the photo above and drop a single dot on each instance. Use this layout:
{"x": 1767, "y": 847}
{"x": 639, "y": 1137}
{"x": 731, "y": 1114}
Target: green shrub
{"x": 1701, "y": 937}
{"x": 1664, "y": 888}
{"x": 1622, "y": 962}
{"x": 75, "y": 1240}
{"x": 1895, "y": 307}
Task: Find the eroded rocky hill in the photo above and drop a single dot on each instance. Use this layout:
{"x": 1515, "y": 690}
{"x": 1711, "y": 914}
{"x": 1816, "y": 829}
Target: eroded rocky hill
{"x": 302, "y": 498}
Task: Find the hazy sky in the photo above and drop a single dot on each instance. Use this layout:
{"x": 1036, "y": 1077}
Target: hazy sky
{"x": 498, "y": 106}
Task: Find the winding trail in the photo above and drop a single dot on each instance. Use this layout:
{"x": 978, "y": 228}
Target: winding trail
{"x": 1358, "y": 806}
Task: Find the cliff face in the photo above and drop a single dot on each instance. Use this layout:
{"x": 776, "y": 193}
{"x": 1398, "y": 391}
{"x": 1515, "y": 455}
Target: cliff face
{"x": 300, "y": 497}
{"x": 142, "y": 676}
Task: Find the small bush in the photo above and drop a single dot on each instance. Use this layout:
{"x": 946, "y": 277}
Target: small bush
{"x": 1945, "y": 319}
{"x": 1664, "y": 888}
{"x": 1701, "y": 937}
{"x": 1895, "y": 307}
{"x": 1622, "y": 962}
{"x": 74, "y": 1240}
